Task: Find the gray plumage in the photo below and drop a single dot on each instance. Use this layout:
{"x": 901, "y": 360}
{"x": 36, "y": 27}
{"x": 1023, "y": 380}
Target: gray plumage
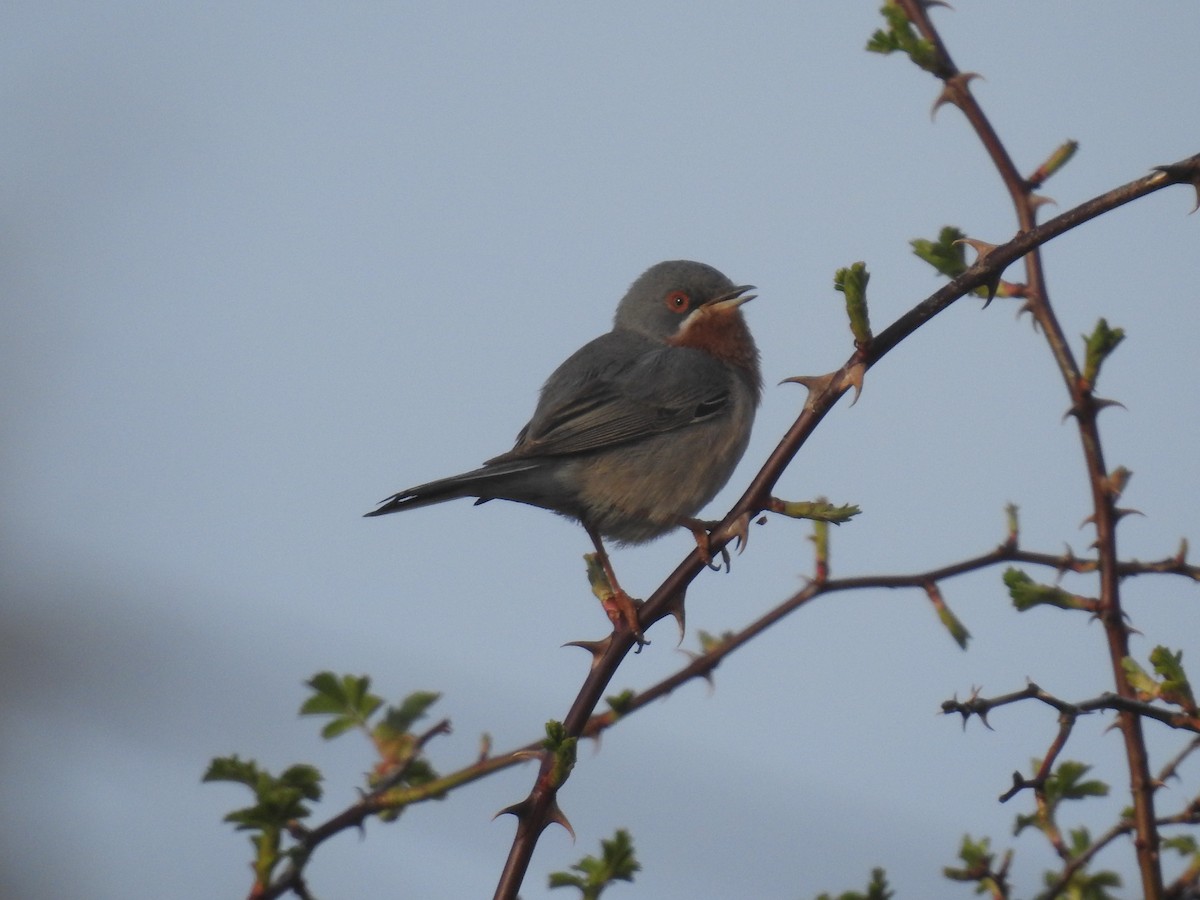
{"x": 641, "y": 427}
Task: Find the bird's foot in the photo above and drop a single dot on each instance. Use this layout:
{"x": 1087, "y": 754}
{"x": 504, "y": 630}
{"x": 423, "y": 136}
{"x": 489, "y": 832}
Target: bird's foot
{"x": 622, "y": 611}
{"x": 705, "y": 531}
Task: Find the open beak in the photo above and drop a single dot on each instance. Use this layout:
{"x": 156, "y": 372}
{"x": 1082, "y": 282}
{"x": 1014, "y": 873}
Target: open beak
{"x": 731, "y": 300}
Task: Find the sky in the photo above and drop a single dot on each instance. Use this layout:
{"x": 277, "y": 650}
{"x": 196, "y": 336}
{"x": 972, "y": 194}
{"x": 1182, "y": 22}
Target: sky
{"x": 265, "y": 264}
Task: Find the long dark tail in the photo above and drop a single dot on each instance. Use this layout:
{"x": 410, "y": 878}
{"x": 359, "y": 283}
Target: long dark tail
{"x": 486, "y": 483}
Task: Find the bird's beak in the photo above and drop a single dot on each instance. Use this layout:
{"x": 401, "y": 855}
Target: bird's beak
{"x": 731, "y": 300}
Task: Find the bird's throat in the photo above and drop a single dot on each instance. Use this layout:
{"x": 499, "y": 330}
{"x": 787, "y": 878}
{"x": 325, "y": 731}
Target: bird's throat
{"x": 722, "y": 334}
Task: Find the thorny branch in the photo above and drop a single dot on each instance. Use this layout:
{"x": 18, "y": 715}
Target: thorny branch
{"x": 702, "y": 665}
{"x": 539, "y": 808}
{"x": 1085, "y": 406}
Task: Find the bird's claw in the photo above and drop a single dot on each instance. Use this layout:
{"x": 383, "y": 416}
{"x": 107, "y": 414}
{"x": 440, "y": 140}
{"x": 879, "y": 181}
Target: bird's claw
{"x": 739, "y": 530}
{"x": 704, "y": 533}
{"x": 622, "y": 611}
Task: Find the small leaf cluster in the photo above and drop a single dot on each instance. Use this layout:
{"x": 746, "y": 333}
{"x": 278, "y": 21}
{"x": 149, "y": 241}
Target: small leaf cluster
{"x": 563, "y": 748}
{"x": 979, "y": 866}
{"x": 1098, "y": 345}
{"x": 279, "y": 802}
{"x": 877, "y": 889}
{"x": 900, "y": 37}
{"x": 819, "y": 510}
{"x": 1084, "y": 884}
{"x": 349, "y": 703}
{"x": 1171, "y": 686}
{"x": 1027, "y": 593}
{"x": 1067, "y": 782}
{"x": 852, "y": 281}
{"x": 948, "y": 255}
{"x": 617, "y": 862}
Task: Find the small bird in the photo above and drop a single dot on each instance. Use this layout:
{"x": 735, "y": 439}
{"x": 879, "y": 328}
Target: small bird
{"x": 639, "y": 428}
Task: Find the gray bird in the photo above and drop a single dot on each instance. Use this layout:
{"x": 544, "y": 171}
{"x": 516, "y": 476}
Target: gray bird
{"x": 639, "y": 428}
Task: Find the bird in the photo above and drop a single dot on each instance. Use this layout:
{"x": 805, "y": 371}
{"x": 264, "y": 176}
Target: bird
{"x": 637, "y": 430}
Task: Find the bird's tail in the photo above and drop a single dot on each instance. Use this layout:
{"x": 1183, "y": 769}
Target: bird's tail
{"x": 486, "y": 483}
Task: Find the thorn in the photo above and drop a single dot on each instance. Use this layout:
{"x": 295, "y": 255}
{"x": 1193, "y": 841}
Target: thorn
{"x": 1102, "y": 403}
{"x": 930, "y": 3}
{"x": 707, "y": 674}
{"x": 854, "y": 378}
{"x": 677, "y": 612}
{"x": 814, "y": 384}
{"x": 520, "y": 810}
{"x": 556, "y": 816}
{"x": 981, "y": 248}
{"x": 943, "y": 98}
{"x": 953, "y": 90}
{"x": 1121, "y": 512}
{"x": 1187, "y": 172}
{"x": 596, "y": 648}
{"x": 1067, "y": 565}
{"x": 1036, "y": 201}
{"x": 992, "y": 285}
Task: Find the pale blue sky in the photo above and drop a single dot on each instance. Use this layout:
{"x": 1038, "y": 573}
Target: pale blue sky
{"x": 267, "y": 263}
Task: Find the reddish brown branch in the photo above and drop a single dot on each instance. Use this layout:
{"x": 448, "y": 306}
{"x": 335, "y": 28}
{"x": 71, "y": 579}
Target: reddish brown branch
{"x": 1085, "y": 407}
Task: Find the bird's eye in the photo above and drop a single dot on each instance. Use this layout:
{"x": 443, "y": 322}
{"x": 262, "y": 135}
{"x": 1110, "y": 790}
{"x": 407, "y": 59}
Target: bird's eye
{"x": 678, "y": 302}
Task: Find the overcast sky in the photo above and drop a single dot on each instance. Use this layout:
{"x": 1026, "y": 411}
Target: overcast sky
{"x": 264, "y": 264}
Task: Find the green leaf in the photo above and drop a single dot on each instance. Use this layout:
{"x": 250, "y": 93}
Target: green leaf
{"x": 901, "y": 37}
{"x": 1085, "y": 884}
{"x": 954, "y": 625}
{"x": 816, "y": 510}
{"x": 347, "y": 699}
{"x": 619, "y": 703}
{"x": 563, "y": 747}
{"x": 1027, "y": 593}
{"x": 1066, "y": 783}
{"x": 877, "y": 889}
{"x": 1175, "y": 687}
{"x": 1098, "y": 345}
{"x": 710, "y": 642}
{"x": 231, "y": 768}
{"x": 947, "y": 254}
{"x": 1139, "y": 679}
{"x": 402, "y": 718}
{"x": 1183, "y": 844}
{"x": 1059, "y": 158}
{"x": 617, "y": 862}
{"x": 278, "y": 800}
{"x": 852, "y": 281}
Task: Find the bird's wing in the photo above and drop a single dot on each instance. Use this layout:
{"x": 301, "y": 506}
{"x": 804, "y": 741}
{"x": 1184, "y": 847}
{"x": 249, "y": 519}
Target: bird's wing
{"x": 613, "y": 393}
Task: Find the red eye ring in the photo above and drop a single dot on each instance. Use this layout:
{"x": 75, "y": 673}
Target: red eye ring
{"x": 678, "y": 301}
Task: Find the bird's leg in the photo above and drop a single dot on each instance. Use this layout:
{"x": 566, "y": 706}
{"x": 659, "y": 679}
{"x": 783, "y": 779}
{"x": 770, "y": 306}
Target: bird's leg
{"x": 620, "y": 606}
